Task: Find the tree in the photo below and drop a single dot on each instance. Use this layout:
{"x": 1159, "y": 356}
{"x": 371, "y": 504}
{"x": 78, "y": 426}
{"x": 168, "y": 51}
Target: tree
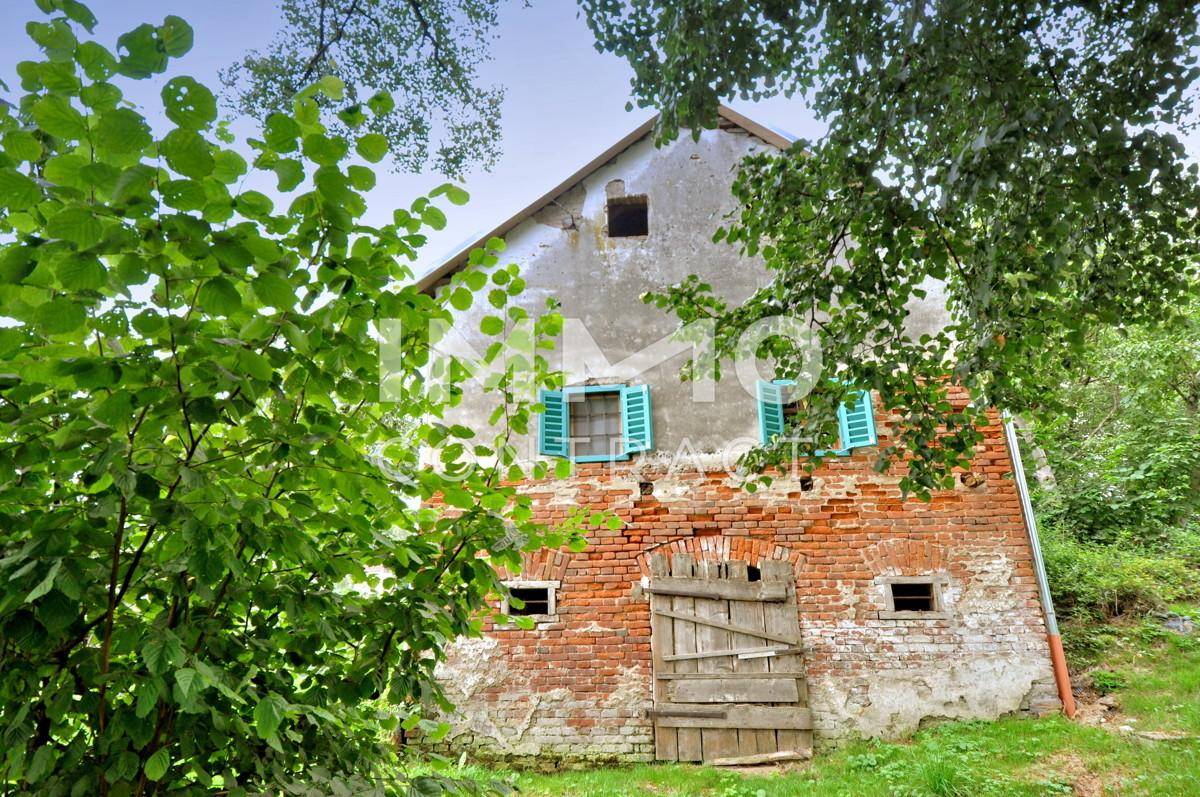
{"x": 1126, "y": 455}
{"x": 1020, "y": 152}
{"x": 415, "y": 63}
{"x": 218, "y": 562}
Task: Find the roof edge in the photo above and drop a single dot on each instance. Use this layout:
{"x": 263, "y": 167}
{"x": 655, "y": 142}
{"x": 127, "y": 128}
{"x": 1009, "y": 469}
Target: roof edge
{"x": 428, "y": 280}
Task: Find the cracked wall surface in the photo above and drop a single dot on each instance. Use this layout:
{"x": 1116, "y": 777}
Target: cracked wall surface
{"x": 577, "y": 687}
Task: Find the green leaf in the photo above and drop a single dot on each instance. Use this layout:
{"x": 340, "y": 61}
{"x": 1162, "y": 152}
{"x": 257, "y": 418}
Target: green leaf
{"x": 268, "y": 715}
{"x": 158, "y": 764}
{"x": 78, "y": 12}
{"x": 141, "y": 52}
{"x": 491, "y": 325}
{"x": 18, "y": 192}
{"x": 188, "y": 153}
{"x": 274, "y": 291}
{"x": 254, "y": 204}
{"x": 176, "y": 36}
{"x": 332, "y": 87}
{"x": 59, "y": 316}
{"x": 461, "y": 299}
{"x": 161, "y": 651}
{"x": 97, "y": 62}
{"x": 21, "y": 146}
{"x": 122, "y": 131}
{"x": 324, "y": 150}
{"x": 455, "y": 194}
{"x": 77, "y": 225}
{"x": 219, "y": 297}
{"x": 184, "y": 194}
{"x": 290, "y": 173}
{"x": 281, "y": 132}
{"x": 185, "y": 679}
{"x": 372, "y": 147}
{"x": 81, "y": 272}
{"x": 189, "y": 104}
{"x": 362, "y": 178}
{"x": 46, "y": 584}
{"x": 55, "y": 114}
{"x": 381, "y": 103}
{"x": 229, "y": 166}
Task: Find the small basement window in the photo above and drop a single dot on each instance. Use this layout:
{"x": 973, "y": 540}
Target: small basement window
{"x": 915, "y": 598}
{"x": 628, "y": 216}
{"x": 537, "y": 599}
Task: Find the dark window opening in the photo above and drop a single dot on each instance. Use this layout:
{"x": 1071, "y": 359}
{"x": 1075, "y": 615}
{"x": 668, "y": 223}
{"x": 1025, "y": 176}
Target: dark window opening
{"x": 535, "y": 600}
{"x": 753, "y": 573}
{"x": 917, "y": 597}
{"x": 646, "y": 488}
{"x": 806, "y": 483}
{"x": 628, "y": 216}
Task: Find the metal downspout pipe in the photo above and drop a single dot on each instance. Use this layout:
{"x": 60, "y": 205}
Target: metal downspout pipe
{"x": 1057, "y": 657}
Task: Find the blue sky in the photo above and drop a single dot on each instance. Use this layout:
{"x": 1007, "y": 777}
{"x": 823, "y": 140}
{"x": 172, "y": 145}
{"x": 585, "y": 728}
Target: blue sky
{"x": 565, "y": 102}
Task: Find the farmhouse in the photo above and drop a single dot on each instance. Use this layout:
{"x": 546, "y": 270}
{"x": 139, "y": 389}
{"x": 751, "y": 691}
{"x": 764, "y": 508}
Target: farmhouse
{"x": 717, "y": 623}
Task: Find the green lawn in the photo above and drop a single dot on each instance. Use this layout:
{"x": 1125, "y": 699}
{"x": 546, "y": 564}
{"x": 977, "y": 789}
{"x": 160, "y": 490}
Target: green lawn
{"x": 1157, "y": 677}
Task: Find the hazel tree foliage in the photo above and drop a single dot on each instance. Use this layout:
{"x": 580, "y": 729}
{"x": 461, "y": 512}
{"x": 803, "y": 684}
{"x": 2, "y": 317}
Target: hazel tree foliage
{"x": 1022, "y": 154}
{"x": 411, "y": 70}
{"x": 221, "y": 571}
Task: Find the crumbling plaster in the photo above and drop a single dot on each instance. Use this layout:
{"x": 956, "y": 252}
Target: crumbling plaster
{"x": 566, "y": 255}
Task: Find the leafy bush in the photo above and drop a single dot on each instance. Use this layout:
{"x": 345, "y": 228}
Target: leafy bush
{"x": 212, "y": 556}
{"x": 1107, "y": 681}
{"x": 1106, "y": 581}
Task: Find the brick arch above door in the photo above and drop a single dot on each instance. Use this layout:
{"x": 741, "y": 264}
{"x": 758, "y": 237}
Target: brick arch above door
{"x": 750, "y": 550}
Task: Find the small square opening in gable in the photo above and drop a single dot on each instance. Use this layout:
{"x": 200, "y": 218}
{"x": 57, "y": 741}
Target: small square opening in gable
{"x": 628, "y": 216}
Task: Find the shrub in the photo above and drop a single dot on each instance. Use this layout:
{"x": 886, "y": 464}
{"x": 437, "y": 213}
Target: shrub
{"x": 1092, "y": 581}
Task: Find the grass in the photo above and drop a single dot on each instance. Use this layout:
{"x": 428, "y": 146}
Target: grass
{"x": 1153, "y": 673}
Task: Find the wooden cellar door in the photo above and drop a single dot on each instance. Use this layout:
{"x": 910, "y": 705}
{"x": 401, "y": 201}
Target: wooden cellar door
{"x": 729, "y": 682}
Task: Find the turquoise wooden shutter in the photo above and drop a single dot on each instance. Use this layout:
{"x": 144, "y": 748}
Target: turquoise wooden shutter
{"x": 856, "y": 420}
{"x": 637, "y": 419}
{"x": 553, "y": 437}
{"x": 770, "y": 410}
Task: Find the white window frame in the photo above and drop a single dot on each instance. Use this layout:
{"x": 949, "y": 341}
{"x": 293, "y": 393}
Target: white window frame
{"x": 551, "y": 588}
{"x": 939, "y": 584}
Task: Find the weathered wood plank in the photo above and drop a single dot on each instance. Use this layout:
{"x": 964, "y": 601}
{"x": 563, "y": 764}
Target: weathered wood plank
{"x": 763, "y": 652}
{"x": 748, "y": 739}
{"x": 793, "y": 718}
{"x": 727, "y": 689}
{"x": 777, "y": 757}
{"x": 783, "y": 618}
{"x": 662, "y": 642}
{"x": 687, "y": 739}
{"x": 685, "y": 676}
{"x": 722, "y": 740}
{"x": 718, "y": 590}
{"x": 744, "y": 629}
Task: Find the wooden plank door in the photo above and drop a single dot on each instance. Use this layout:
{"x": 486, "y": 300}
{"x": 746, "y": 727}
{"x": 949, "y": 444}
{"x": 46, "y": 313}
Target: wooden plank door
{"x": 728, "y": 673}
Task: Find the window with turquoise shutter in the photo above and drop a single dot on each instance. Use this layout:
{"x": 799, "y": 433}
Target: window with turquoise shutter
{"x": 596, "y": 423}
{"x": 552, "y": 426}
{"x": 856, "y": 418}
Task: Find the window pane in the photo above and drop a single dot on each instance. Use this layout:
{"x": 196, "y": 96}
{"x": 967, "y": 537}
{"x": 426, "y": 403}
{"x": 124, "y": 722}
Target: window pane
{"x": 596, "y": 424}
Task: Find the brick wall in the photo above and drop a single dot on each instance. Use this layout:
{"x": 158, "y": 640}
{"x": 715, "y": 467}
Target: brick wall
{"x": 578, "y": 687}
